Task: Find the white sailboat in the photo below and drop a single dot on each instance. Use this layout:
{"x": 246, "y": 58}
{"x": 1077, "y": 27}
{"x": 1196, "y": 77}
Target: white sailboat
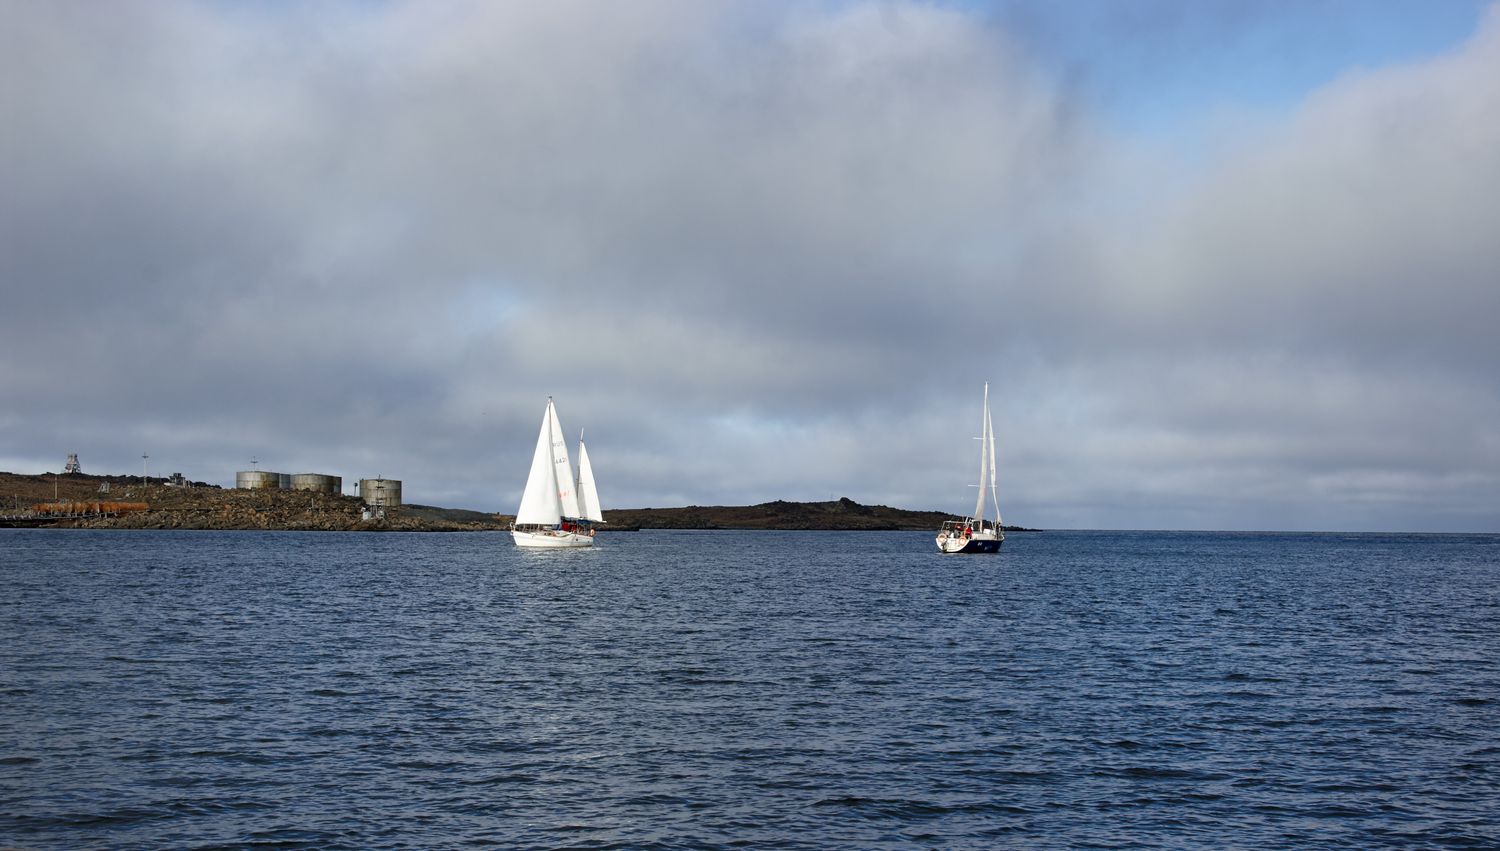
{"x": 557, "y": 509}
{"x": 974, "y": 534}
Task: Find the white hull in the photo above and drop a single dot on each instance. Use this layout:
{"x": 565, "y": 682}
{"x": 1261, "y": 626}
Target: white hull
{"x": 550, "y": 539}
{"x": 979, "y": 542}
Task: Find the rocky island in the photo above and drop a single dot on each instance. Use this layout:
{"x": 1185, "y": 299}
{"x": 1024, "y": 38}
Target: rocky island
{"x": 835, "y": 515}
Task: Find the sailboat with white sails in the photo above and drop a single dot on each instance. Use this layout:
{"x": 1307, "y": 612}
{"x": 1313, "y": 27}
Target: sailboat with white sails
{"x": 557, "y": 509}
{"x": 974, "y": 534}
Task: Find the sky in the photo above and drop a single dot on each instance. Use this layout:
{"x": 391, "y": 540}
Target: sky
{"x": 1224, "y": 265}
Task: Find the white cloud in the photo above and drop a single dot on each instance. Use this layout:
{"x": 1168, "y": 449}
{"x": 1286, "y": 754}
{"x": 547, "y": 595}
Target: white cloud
{"x": 760, "y": 252}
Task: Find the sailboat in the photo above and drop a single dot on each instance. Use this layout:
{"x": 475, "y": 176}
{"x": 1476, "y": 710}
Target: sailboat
{"x": 557, "y": 508}
{"x": 974, "y": 534}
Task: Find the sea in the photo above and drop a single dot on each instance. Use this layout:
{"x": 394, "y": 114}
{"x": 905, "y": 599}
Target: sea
{"x": 744, "y": 690}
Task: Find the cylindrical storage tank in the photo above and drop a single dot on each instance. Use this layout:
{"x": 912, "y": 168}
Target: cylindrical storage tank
{"x": 257, "y": 480}
{"x": 382, "y": 492}
{"x": 317, "y": 482}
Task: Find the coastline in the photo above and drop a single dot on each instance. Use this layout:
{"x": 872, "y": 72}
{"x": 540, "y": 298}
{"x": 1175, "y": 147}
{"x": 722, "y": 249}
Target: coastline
{"x": 29, "y": 501}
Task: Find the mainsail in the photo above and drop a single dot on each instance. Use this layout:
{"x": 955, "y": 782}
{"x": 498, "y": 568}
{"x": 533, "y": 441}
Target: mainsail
{"x": 588, "y": 493}
{"x": 539, "y": 502}
{"x": 549, "y": 494}
{"x": 562, "y": 467}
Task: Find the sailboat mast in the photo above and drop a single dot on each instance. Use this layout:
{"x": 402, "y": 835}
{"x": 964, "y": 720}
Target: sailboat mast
{"x": 989, "y": 427}
{"x": 583, "y": 485}
{"x": 984, "y": 460}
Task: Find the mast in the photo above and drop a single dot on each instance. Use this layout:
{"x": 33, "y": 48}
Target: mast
{"x": 583, "y": 497}
{"x": 989, "y": 428}
{"x": 984, "y": 459}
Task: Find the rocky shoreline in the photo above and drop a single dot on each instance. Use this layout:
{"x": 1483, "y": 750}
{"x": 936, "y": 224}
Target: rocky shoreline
{"x": 201, "y": 506}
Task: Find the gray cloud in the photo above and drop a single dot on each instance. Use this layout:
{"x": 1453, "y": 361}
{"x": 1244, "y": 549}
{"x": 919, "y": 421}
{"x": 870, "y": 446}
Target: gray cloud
{"x": 760, "y": 252}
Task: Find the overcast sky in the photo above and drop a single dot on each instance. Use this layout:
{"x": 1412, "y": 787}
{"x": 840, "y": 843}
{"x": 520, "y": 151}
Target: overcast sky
{"x": 1225, "y": 265}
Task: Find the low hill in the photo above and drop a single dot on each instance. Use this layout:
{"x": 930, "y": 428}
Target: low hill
{"x": 839, "y": 515}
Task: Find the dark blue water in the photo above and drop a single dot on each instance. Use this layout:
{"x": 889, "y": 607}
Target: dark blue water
{"x": 748, "y": 690}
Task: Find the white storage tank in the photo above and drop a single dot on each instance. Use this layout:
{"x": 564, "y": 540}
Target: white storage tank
{"x": 257, "y": 480}
{"x": 380, "y": 492}
{"x": 317, "y": 482}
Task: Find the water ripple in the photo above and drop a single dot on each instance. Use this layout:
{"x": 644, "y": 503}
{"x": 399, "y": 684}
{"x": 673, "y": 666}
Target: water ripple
{"x": 748, "y": 690}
